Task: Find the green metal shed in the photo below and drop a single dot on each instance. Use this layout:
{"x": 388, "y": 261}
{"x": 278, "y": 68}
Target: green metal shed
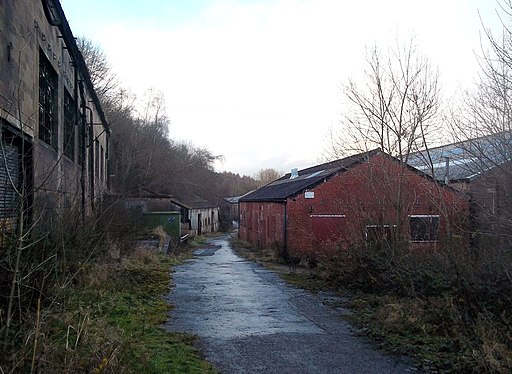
{"x": 170, "y": 221}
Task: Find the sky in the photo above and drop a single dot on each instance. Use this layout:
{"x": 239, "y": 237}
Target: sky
{"x": 260, "y": 81}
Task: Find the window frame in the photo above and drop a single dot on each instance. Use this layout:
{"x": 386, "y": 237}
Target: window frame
{"x": 48, "y": 122}
{"x": 430, "y": 235}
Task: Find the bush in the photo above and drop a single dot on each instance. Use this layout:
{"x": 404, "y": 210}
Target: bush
{"x": 451, "y": 307}
{"x": 41, "y": 264}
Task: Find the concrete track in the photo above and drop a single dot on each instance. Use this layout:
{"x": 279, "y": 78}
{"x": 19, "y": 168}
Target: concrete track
{"x": 249, "y": 321}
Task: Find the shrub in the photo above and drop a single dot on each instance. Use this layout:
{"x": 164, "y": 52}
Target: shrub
{"x": 456, "y": 301}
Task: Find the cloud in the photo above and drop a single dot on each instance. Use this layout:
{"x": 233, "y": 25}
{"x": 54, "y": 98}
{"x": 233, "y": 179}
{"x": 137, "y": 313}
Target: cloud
{"x": 259, "y": 81}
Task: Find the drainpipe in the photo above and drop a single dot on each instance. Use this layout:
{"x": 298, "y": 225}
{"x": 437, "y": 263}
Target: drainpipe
{"x": 447, "y": 171}
{"x": 91, "y": 150}
{"x": 239, "y": 219}
{"x": 285, "y": 229}
{"x": 91, "y": 155}
{"x": 82, "y": 145}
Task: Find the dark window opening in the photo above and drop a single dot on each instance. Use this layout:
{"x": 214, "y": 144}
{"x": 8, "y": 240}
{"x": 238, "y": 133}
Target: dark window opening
{"x": 380, "y": 234}
{"x": 184, "y": 215}
{"x": 48, "y": 121}
{"x": 424, "y": 228}
{"x": 69, "y": 126}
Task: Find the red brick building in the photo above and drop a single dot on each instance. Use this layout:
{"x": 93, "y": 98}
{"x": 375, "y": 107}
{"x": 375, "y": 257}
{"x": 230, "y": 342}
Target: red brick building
{"x": 361, "y": 199}
{"x": 481, "y": 168}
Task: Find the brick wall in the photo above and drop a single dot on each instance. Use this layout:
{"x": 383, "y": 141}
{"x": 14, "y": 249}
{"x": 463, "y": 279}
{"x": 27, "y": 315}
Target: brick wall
{"x": 334, "y": 214}
{"x": 262, "y": 224}
{"x": 491, "y": 207}
{"x": 369, "y": 194}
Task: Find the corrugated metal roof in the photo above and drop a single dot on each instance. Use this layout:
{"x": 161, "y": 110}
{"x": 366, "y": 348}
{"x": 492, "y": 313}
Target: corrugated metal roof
{"x": 192, "y": 202}
{"x": 235, "y": 199}
{"x": 188, "y": 201}
{"x": 232, "y": 200}
{"x": 466, "y": 160}
{"x": 285, "y": 187}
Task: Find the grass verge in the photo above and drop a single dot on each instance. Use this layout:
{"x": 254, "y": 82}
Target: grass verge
{"x": 110, "y": 321}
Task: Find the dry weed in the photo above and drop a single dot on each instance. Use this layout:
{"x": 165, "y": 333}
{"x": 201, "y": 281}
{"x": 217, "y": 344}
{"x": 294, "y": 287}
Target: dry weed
{"x": 493, "y": 346}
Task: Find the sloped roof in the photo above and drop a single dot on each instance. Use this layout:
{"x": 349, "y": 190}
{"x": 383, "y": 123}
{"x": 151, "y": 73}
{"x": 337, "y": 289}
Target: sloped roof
{"x": 466, "y": 160}
{"x": 192, "y": 202}
{"x": 285, "y": 187}
{"x": 184, "y": 201}
{"x": 232, "y": 199}
{"x": 236, "y": 199}
{"x": 79, "y": 60}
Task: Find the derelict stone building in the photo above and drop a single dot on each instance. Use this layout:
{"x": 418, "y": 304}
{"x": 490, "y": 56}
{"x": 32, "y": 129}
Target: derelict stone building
{"x": 54, "y": 134}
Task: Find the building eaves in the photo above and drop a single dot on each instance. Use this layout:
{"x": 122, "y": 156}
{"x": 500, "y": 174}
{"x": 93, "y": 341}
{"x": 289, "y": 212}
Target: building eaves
{"x": 78, "y": 59}
{"x": 192, "y": 202}
{"x": 236, "y": 199}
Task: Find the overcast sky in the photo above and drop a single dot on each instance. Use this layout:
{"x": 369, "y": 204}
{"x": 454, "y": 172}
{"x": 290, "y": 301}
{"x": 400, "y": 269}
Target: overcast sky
{"x": 259, "y": 81}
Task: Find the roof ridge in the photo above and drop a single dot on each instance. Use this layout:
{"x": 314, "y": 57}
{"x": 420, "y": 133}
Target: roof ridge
{"x": 284, "y": 187}
{"x": 357, "y": 156}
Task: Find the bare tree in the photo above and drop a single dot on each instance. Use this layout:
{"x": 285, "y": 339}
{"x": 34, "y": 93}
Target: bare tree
{"x": 265, "y": 176}
{"x": 487, "y": 110}
{"x": 395, "y": 108}
{"x": 482, "y": 127}
{"x": 103, "y": 78}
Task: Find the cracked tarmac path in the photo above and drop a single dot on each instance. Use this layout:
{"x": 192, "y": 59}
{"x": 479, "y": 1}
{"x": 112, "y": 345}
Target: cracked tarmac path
{"x": 250, "y": 321}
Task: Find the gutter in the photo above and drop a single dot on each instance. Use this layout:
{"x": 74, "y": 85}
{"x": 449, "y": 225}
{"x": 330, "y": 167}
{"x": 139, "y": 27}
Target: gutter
{"x": 79, "y": 61}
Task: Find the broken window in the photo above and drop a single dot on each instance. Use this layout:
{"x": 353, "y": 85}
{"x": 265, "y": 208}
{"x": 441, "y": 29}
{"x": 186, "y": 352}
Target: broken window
{"x": 47, "y": 102}
{"x": 424, "y": 228}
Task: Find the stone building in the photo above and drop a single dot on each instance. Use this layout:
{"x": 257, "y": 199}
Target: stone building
{"x": 54, "y": 134}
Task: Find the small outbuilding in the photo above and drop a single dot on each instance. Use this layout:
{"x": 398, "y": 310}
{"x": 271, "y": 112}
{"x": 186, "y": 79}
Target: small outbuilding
{"x": 198, "y": 216}
{"x": 358, "y": 200}
{"x": 230, "y": 210}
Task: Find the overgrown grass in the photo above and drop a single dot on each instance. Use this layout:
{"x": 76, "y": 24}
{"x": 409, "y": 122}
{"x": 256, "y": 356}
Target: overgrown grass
{"x": 267, "y": 256}
{"x": 109, "y": 321}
